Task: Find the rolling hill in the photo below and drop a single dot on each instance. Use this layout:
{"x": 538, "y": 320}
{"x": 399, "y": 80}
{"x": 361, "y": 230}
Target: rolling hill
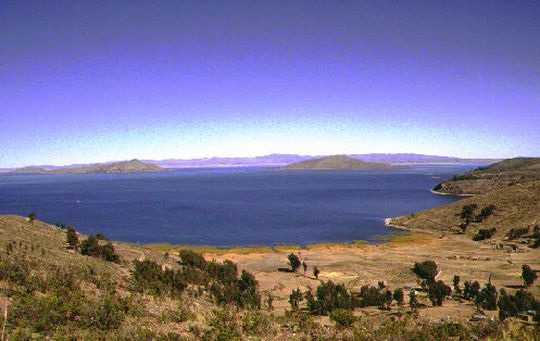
{"x": 498, "y": 175}
{"x": 516, "y": 206}
{"x": 336, "y": 162}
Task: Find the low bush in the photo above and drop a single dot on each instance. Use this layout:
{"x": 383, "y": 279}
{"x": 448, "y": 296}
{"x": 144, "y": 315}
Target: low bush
{"x": 484, "y": 234}
{"x": 426, "y": 269}
{"x": 343, "y": 317}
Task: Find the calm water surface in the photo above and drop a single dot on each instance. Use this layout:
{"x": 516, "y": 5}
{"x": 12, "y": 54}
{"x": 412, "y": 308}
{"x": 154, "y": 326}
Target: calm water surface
{"x": 228, "y": 206}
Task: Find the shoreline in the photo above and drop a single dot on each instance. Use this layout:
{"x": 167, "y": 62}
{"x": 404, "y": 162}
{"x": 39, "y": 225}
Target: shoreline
{"x": 455, "y": 195}
{"x": 252, "y": 249}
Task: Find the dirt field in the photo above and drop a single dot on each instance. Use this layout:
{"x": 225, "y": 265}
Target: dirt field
{"x": 391, "y": 262}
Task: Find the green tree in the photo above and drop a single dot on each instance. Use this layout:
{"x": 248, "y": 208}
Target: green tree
{"x": 413, "y": 300}
{"x": 398, "y": 296}
{"x": 487, "y": 297}
{"x": 528, "y": 275}
{"x": 31, "y": 217}
{"x": 316, "y": 272}
{"x": 72, "y": 238}
{"x": 294, "y": 262}
{"x": 467, "y": 213}
{"x": 295, "y": 298}
{"x": 457, "y": 289}
{"x": 90, "y": 247}
{"x": 437, "y": 292}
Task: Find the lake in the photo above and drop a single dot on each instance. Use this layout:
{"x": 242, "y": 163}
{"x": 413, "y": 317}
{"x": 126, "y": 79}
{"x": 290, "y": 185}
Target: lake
{"x": 239, "y": 206}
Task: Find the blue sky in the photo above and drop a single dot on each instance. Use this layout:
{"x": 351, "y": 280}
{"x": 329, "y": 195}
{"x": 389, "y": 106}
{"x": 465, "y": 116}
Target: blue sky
{"x": 111, "y": 80}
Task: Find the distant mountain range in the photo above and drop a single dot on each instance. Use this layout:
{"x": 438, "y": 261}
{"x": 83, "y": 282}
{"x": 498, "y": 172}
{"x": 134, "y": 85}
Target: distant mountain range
{"x": 286, "y": 159}
{"x": 278, "y": 160}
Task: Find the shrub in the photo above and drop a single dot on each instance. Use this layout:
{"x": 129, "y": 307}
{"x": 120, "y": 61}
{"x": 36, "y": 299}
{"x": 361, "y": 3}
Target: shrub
{"x": 516, "y": 233}
{"x": 148, "y": 275}
{"x": 193, "y": 259}
{"x": 485, "y": 213}
{"x": 294, "y": 262}
{"x": 371, "y": 296}
{"x": 329, "y": 296}
{"x": 398, "y": 296}
{"x": 295, "y": 298}
{"x": 31, "y": 217}
{"x": 484, "y": 234}
{"x": 343, "y": 317}
{"x": 316, "y": 272}
{"x": 72, "y": 238}
{"x": 457, "y": 289}
{"x": 425, "y": 270}
{"x": 92, "y": 247}
{"x": 528, "y": 275}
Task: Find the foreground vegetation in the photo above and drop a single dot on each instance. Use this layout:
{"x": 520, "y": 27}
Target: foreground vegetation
{"x": 62, "y": 285}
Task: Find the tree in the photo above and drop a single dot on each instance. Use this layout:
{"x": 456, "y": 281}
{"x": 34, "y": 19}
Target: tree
{"x": 457, "y": 289}
{"x": 487, "y": 297}
{"x": 294, "y": 262}
{"x": 528, "y": 275}
{"x": 295, "y": 298}
{"x": 437, "y": 292}
{"x": 72, "y": 238}
{"x": 31, "y": 217}
{"x": 467, "y": 213}
{"x": 91, "y": 247}
{"x": 108, "y": 253}
{"x": 398, "y": 296}
{"x": 316, "y": 272}
{"x": 413, "y": 301}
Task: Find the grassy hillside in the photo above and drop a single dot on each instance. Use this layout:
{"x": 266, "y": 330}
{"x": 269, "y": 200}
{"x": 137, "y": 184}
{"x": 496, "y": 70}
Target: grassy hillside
{"x": 515, "y": 206}
{"x": 337, "y": 162}
{"x": 497, "y": 175}
{"x": 54, "y": 292}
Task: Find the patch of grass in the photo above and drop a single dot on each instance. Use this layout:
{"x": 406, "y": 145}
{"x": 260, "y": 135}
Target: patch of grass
{"x": 209, "y": 249}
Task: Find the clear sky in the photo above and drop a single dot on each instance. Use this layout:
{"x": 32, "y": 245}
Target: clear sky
{"x": 91, "y": 81}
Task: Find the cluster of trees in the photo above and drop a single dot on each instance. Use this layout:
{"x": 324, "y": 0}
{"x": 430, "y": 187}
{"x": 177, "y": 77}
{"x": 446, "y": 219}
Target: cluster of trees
{"x": 484, "y": 234}
{"x": 515, "y": 233}
{"x": 151, "y": 277}
{"x": 221, "y": 280}
{"x": 468, "y": 215}
{"x": 329, "y": 297}
{"x": 513, "y": 305}
{"x": 91, "y": 246}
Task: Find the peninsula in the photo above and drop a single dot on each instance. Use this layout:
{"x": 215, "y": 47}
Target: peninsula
{"x": 498, "y": 175}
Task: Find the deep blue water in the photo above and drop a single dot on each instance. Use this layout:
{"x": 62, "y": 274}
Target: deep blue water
{"x": 228, "y": 206}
